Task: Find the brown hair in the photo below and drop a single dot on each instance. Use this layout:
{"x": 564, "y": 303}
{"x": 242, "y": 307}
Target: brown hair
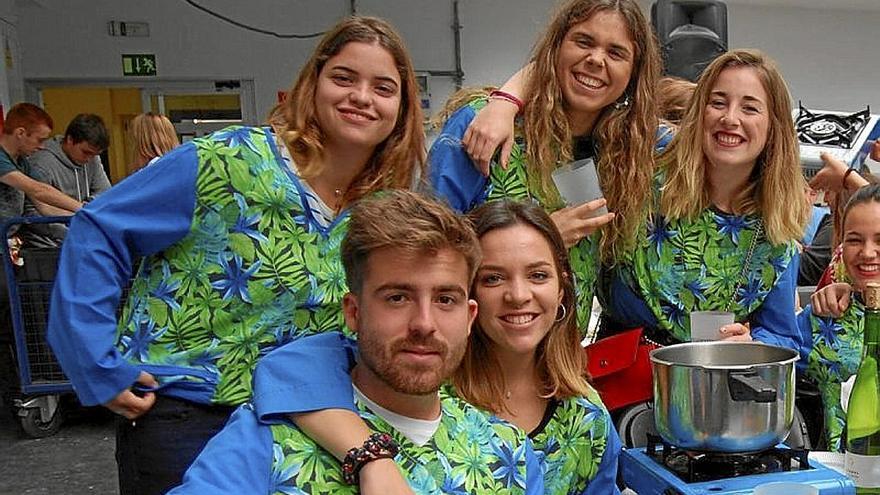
{"x": 152, "y": 134}
{"x": 398, "y": 160}
{"x": 625, "y": 135}
{"x": 405, "y": 220}
{"x": 559, "y": 357}
{"x": 673, "y": 96}
{"x": 27, "y": 116}
{"x": 776, "y": 188}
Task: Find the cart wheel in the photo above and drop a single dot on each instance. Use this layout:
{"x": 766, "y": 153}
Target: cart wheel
{"x": 34, "y": 426}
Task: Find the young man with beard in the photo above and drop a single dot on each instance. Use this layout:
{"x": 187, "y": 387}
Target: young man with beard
{"x": 409, "y": 263}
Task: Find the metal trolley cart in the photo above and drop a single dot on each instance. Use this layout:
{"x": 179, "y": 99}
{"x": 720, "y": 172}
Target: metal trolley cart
{"x": 41, "y": 383}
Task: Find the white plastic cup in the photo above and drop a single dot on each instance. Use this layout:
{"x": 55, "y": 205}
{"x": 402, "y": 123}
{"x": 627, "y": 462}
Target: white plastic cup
{"x": 578, "y": 183}
{"x": 786, "y": 488}
{"x": 706, "y": 325}
{"x": 804, "y": 292}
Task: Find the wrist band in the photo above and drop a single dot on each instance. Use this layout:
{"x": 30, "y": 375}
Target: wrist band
{"x": 377, "y": 446}
{"x": 846, "y": 176}
{"x": 504, "y": 95}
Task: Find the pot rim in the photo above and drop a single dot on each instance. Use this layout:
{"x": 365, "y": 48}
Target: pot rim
{"x": 791, "y": 360}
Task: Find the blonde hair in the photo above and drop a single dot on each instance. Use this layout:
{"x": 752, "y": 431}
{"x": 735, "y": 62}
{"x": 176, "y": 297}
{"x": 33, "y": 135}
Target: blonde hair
{"x": 673, "y": 96}
{"x": 560, "y": 361}
{"x": 776, "y": 188}
{"x": 625, "y": 136}
{"x": 460, "y": 98}
{"x": 153, "y": 135}
{"x": 397, "y": 161}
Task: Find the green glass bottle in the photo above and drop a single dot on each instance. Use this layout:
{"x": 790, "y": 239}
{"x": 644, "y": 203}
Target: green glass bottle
{"x": 863, "y": 412}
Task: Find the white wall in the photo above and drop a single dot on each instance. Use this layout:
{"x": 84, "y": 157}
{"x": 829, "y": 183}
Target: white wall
{"x": 828, "y": 56}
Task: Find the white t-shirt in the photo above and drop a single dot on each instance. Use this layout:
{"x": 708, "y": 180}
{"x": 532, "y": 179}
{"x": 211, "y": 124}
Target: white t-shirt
{"x": 418, "y": 431}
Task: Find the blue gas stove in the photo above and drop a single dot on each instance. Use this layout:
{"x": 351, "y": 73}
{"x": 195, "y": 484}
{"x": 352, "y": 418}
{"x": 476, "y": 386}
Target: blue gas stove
{"x": 664, "y": 470}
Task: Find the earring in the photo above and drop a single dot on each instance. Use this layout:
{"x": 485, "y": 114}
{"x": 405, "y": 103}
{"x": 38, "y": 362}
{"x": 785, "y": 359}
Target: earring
{"x": 620, "y": 105}
{"x": 564, "y": 313}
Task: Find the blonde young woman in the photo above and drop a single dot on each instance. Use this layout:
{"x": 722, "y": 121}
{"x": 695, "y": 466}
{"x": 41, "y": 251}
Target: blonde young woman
{"x": 240, "y": 234}
{"x": 727, "y": 213}
{"x": 589, "y": 94}
{"x": 523, "y": 362}
{"x": 152, "y": 135}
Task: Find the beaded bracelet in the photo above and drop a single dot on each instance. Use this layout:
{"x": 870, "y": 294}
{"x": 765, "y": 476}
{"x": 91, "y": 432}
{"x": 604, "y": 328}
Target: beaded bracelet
{"x": 846, "y": 176}
{"x": 504, "y": 95}
{"x": 377, "y": 446}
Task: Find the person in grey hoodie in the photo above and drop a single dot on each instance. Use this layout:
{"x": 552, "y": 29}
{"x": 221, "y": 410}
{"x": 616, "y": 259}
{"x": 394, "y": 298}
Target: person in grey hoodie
{"x": 72, "y": 164}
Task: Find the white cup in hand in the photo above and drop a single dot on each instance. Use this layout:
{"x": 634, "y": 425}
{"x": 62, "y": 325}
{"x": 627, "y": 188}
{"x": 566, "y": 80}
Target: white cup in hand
{"x": 706, "y": 325}
{"x": 578, "y": 183}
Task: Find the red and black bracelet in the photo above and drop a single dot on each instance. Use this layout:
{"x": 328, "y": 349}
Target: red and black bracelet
{"x": 505, "y": 96}
{"x": 377, "y": 446}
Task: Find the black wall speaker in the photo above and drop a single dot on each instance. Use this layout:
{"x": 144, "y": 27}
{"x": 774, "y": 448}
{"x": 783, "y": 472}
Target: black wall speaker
{"x": 691, "y": 34}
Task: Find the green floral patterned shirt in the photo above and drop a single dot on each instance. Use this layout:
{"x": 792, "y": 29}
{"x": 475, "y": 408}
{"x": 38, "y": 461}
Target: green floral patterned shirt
{"x": 470, "y": 453}
{"x": 699, "y": 264}
{"x": 834, "y": 357}
{"x": 573, "y": 444}
{"x": 254, "y": 272}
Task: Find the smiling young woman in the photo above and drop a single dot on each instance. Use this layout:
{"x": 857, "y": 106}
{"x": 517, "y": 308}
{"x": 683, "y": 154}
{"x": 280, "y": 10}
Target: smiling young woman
{"x": 240, "y": 233}
{"x": 834, "y": 322}
{"x": 589, "y": 95}
{"x": 728, "y": 210}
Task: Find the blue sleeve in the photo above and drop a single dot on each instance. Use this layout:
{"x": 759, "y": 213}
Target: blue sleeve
{"x": 605, "y": 481}
{"x": 142, "y": 215}
{"x": 534, "y": 473}
{"x": 663, "y": 137}
{"x": 775, "y": 322}
{"x": 308, "y": 374}
{"x": 454, "y": 177}
{"x": 237, "y": 460}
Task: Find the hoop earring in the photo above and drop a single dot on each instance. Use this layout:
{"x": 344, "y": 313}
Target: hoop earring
{"x": 621, "y": 105}
{"x": 564, "y": 313}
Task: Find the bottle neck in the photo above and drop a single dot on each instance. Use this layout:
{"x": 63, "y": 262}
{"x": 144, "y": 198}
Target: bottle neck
{"x": 872, "y": 331}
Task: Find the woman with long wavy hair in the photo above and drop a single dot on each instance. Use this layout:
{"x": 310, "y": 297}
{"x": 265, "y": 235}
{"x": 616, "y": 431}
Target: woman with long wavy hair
{"x": 589, "y": 94}
{"x": 240, "y": 234}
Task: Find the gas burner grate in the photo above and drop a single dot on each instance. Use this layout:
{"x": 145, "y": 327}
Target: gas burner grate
{"x": 828, "y": 129}
{"x": 695, "y": 467}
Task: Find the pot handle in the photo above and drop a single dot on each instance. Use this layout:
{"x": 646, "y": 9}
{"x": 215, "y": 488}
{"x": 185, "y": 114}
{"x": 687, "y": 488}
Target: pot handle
{"x": 749, "y": 386}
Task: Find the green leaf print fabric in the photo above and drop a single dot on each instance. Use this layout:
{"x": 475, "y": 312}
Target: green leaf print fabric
{"x": 470, "y": 453}
{"x": 572, "y": 444}
{"x": 686, "y": 265}
{"x": 834, "y": 358}
{"x": 254, "y": 272}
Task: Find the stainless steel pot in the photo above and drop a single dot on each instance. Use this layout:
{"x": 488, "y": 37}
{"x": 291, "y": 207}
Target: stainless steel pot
{"x": 723, "y": 396}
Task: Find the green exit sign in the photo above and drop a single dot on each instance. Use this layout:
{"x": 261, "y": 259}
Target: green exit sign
{"x": 143, "y": 64}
